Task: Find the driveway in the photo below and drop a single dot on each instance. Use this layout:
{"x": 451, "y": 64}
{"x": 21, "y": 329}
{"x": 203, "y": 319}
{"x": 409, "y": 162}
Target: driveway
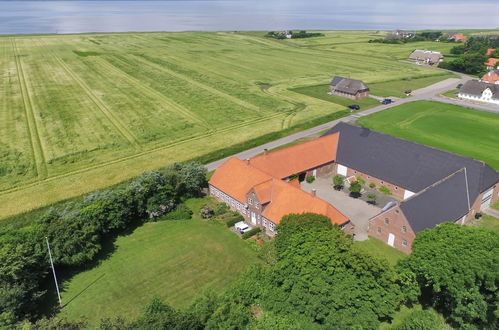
{"x": 358, "y": 211}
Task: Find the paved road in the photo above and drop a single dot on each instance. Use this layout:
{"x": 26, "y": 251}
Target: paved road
{"x": 431, "y": 92}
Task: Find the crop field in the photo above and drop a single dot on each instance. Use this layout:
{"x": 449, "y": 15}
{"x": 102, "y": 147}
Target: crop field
{"x": 175, "y": 260}
{"x": 81, "y": 112}
{"x": 456, "y": 129}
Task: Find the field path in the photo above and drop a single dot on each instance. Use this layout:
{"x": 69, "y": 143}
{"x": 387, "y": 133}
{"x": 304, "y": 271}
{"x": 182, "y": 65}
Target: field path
{"x": 36, "y": 143}
{"x": 154, "y": 93}
{"x": 115, "y": 121}
{"x": 200, "y": 85}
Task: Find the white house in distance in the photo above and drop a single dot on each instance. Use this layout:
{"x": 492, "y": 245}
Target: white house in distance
{"x": 480, "y": 91}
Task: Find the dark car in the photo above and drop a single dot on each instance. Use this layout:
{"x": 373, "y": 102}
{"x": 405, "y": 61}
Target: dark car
{"x": 387, "y": 101}
{"x": 354, "y": 107}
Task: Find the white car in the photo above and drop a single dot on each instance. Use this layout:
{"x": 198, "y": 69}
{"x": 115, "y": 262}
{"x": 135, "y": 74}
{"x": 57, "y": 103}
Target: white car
{"x": 242, "y": 227}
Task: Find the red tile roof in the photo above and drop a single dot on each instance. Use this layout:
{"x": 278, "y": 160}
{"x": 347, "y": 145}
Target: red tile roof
{"x": 491, "y": 77}
{"x": 298, "y": 158}
{"x": 492, "y": 62}
{"x": 490, "y": 51}
{"x": 235, "y": 178}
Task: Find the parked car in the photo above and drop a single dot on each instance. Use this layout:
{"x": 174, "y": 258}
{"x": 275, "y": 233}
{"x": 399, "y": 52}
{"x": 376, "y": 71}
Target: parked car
{"x": 354, "y": 107}
{"x": 242, "y": 227}
{"x": 387, "y": 101}
{"x": 408, "y": 92}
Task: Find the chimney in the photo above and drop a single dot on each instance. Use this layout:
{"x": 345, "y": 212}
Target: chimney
{"x": 265, "y": 151}
{"x": 314, "y": 192}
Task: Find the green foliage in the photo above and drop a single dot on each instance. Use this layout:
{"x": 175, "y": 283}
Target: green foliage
{"x": 457, "y": 269}
{"x": 207, "y": 212}
{"x": 338, "y": 180}
{"x": 426, "y": 319}
{"x": 251, "y": 232}
{"x": 372, "y": 185}
{"x": 372, "y": 196}
{"x": 234, "y": 218}
{"x": 181, "y": 212}
{"x": 355, "y": 187}
{"x": 158, "y": 315}
{"x": 360, "y": 180}
{"x": 385, "y": 190}
{"x": 310, "y": 179}
{"x": 54, "y": 323}
{"x": 221, "y": 208}
{"x": 467, "y": 63}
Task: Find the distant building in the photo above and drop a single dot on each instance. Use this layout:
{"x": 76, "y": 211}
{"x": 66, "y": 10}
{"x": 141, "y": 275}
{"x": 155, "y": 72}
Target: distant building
{"x": 350, "y": 88}
{"x": 480, "y": 91}
{"x": 457, "y": 37}
{"x": 426, "y": 56}
{"x": 399, "y": 34}
{"x": 492, "y": 63}
{"x": 490, "y": 51}
{"x": 491, "y": 77}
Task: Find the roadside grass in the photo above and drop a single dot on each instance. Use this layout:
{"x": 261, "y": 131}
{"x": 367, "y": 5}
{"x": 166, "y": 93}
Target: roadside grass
{"x": 175, "y": 260}
{"x": 448, "y": 127}
{"x": 496, "y": 205}
{"x": 110, "y": 106}
{"x": 451, "y": 94}
{"x": 381, "y": 250}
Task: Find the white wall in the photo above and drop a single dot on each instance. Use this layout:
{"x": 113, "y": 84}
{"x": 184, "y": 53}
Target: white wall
{"x": 342, "y": 170}
{"x": 408, "y": 194}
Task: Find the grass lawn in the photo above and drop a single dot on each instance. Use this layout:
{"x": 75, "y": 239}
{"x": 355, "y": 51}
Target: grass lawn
{"x": 452, "y": 94}
{"x": 487, "y": 221}
{"x": 175, "y": 260}
{"x": 379, "y": 249}
{"x": 397, "y": 88}
{"x": 495, "y": 205}
{"x": 453, "y": 128}
{"x": 321, "y": 92}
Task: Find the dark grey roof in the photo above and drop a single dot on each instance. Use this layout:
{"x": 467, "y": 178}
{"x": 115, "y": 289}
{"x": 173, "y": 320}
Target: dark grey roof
{"x": 347, "y": 85}
{"x": 423, "y": 55}
{"x": 445, "y": 201}
{"x": 407, "y": 164}
{"x": 476, "y": 88}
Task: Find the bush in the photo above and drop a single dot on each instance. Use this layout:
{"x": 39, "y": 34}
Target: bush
{"x": 338, "y": 181}
{"x": 251, "y": 232}
{"x": 207, "y": 212}
{"x": 360, "y": 180}
{"x": 385, "y": 190}
{"x": 221, "y": 208}
{"x": 181, "y": 212}
{"x": 426, "y": 319}
{"x": 310, "y": 179}
{"x": 372, "y": 185}
{"x": 232, "y": 220}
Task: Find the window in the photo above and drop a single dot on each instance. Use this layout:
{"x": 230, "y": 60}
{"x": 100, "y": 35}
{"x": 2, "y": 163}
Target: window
{"x": 379, "y": 229}
{"x": 250, "y": 201}
{"x": 404, "y": 243}
{"x": 387, "y": 221}
{"x": 355, "y": 172}
{"x": 396, "y": 211}
{"x": 382, "y": 182}
{"x": 368, "y": 177}
{"x": 257, "y": 205}
{"x": 396, "y": 188}
{"x": 404, "y": 229}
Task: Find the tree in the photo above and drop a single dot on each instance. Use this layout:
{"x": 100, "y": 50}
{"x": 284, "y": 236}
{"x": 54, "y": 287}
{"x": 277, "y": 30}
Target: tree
{"x": 372, "y": 198}
{"x": 457, "y": 268}
{"x": 338, "y": 182}
{"x": 426, "y": 319}
{"x": 355, "y": 189}
{"x": 193, "y": 177}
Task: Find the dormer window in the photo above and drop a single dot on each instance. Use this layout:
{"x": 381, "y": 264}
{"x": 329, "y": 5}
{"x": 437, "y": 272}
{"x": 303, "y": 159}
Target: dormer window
{"x": 250, "y": 201}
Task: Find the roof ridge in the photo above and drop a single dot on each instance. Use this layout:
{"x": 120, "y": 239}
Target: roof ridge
{"x": 436, "y": 184}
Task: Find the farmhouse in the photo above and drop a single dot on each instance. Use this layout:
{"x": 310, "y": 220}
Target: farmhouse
{"x": 492, "y": 63}
{"x": 426, "y": 56}
{"x": 480, "y": 91}
{"x": 457, "y": 37}
{"x": 431, "y": 186}
{"x": 491, "y": 77}
{"x": 350, "y": 88}
{"x": 264, "y": 189}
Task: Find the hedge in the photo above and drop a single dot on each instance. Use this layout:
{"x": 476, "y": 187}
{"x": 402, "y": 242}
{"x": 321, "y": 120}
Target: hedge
{"x": 251, "y": 232}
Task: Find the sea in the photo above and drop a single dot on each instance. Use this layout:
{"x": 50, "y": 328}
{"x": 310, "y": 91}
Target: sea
{"x": 33, "y": 17}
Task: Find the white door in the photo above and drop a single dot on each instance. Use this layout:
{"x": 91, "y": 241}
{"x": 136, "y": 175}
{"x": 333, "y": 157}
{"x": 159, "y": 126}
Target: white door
{"x": 314, "y": 173}
{"x": 487, "y": 197}
{"x": 391, "y": 239}
{"x": 342, "y": 170}
{"x": 253, "y": 218}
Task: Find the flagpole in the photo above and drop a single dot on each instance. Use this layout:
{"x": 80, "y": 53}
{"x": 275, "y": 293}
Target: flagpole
{"x": 53, "y": 271}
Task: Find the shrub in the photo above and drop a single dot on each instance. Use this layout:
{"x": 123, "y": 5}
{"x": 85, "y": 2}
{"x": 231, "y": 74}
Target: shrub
{"x": 360, "y": 180}
{"x": 426, "y": 319}
{"x": 207, "y": 212}
{"x": 181, "y": 212}
{"x": 372, "y": 185}
{"x": 231, "y": 221}
{"x": 385, "y": 190}
{"x": 338, "y": 181}
{"x": 251, "y": 232}
{"x": 310, "y": 179}
{"x": 221, "y": 208}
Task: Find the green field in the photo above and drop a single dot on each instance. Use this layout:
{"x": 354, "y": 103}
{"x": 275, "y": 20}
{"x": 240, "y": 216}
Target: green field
{"x": 175, "y": 260}
{"x": 82, "y": 112}
{"x": 456, "y": 129}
